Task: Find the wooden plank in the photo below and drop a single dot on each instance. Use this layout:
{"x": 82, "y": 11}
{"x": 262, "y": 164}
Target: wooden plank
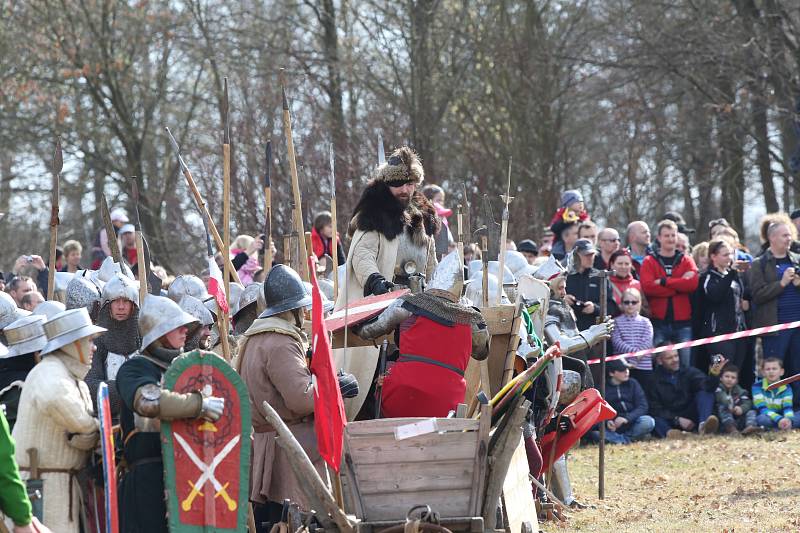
{"x": 395, "y": 506}
{"x": 517, "y": 492}
{"x": 387, "y": 425}
{"x": 511, "y": 347}
{"x": 472, "y": 375}
{"x": 497, "y": 361}
{"x": 480, "y": 464}
{"x": 499, "y": 319}
{"x": 414, "y": 477}
{"x": 353, "y": 340}
{"x": 383, "y": 449}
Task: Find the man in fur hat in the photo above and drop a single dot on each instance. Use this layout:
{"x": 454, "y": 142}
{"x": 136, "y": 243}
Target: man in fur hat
{"x": 392, "y": 230}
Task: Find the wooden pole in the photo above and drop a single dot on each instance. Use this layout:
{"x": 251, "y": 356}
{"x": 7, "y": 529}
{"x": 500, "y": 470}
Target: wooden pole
{"x": 601, "y": 485}
{"x": 268, "y": 211}
{"x": 226, "y": 223}
{"x": 298, "y": 215}
{"x": 460, "y": 232}
{"x": 503, "y": 236}
{"x": 58, "y": 164}
{"x": 201, "y": 205}
{"x": 485, "y": 259}
{"x": 310, "y": 481}
{"x": 334, "y": 237}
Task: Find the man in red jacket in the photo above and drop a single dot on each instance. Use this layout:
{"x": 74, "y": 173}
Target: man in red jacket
{"x": 668, "y": 279}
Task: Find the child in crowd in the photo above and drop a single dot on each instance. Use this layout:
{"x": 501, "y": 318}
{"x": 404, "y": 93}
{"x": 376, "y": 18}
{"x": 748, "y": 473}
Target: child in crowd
{"x": 572, "y": 209}
{"x": 633, "y": 332}
{"x": 629, "y": 401}
{"x": 775, "y": 406}
{"x": 734, "y": 406}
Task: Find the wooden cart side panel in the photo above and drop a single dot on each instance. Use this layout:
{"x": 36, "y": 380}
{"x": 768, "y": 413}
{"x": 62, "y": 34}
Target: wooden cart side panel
{"x": 517, "y": 492}
{"x": 394, "y": 507}
{"x": 397, "y": 478}
{"x": 383, "y": 449}
{"x": 387, "y": 425}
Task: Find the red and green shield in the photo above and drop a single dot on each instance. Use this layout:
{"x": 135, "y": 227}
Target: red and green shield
{"x": 206, "y": 464}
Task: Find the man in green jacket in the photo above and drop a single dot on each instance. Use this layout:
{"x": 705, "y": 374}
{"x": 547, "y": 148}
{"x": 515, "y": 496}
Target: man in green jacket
{"x": 14, "y": 501}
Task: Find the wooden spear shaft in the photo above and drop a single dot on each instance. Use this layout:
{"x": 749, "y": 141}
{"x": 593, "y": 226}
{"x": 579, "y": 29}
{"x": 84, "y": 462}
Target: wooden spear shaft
{"x": 503, "y": 236}
{"x": 334, "y": 237}
{"x": 226, "y": 195}
{"x": 268, "y": 211}
{"x": 201, "y": 205}
{"x": 58, "y": 164}
{"x": 298, "y": 215}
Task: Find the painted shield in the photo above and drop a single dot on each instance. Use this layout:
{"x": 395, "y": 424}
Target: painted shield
{"x": 361, "y": 310}
{"x": 109, "y": 462}
{"x": 206, "y": 464}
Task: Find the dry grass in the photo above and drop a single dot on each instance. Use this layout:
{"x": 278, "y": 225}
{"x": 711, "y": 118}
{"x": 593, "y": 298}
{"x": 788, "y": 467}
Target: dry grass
{"x": 720, "y": 484}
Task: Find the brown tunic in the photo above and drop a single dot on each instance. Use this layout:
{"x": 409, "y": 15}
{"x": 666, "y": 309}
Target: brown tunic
{"x": 275, "y": 370}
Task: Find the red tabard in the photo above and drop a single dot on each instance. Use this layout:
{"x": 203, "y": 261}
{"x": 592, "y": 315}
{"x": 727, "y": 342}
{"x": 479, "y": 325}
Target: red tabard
{"x": 423, "y": 389}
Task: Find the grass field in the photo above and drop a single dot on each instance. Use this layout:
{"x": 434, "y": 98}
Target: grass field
{"x": 721, "y": 484}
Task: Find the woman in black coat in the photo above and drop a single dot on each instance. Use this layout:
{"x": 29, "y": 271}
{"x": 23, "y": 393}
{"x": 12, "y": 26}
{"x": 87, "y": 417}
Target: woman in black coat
{"x": 721, "y": 290}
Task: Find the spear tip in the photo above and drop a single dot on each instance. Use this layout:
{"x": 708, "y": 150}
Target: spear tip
{"x": 282, "y": 78}
{"x": 267, "y": 182}
{"x": 58, "y": 158}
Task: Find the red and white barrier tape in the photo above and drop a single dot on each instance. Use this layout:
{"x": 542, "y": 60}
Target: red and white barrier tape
{"x": 700, "y": 342}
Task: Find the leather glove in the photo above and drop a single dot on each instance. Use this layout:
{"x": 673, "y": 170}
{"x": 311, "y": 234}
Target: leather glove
{"x": 84, "y": 441}
{"x": 377, "y": 284}
{"x": 347, "y": 384}
{"x": 212, "y": 408}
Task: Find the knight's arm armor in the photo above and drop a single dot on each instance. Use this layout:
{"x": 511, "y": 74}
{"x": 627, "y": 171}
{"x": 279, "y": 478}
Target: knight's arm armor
{"x": 154, "y": 402}
{"x": 582, "y": 340}
{"x": 386, "y": 322}
{"x": 480, "y": 342}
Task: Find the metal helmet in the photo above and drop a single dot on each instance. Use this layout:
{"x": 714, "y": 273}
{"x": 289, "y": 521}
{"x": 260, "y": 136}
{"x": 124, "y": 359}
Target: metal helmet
{"x": 508, "y": 276}
{"x": 327, "y": 305}
{"x": 61, "y": 280}
{"x": 120, "y": 286}
{"x": 515, "y": 261}
{"x": 25, "y": 335}
{"x": 49, "y": 309}
{"x": 159, "y": 316}
{"x": 235, "y": 295}
{"x": 571, "y": 384}
{"x": 195, "y": 307}
{"x": 67, "y": 327}
{"x": 284, "y": 291}
{"x": 474, "y": 291}
{"x": 448, "y": 278}
{"x": 187, "y": 284}
{"x": 108, "y": 269}
{"x": 249, "y": 296}
{"x": 326, "y": 288}
{"x": 82, "y": 292}
{"x": 476, "y": 265}
{"x": 9, "y": 312}
{"x": 550, "y": 270}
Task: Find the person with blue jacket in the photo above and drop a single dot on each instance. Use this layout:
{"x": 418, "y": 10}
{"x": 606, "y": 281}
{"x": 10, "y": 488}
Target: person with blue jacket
{"x": 628, "y": 399}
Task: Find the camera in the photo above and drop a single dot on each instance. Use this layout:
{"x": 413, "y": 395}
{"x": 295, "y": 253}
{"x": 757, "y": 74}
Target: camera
{"x": 716, "y": 359}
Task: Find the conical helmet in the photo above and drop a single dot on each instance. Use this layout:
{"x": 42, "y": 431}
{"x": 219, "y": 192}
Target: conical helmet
{"x": 108, "y": 269}
{"x": 61, "y": 281}
{"x": 82, "y": 292}
{"x": 474, "y": 292}
{"x": 187, "y": 284}
{"x": 448, "y": 279}
{"x": 550, "y": 270}
{"x": 9, "y": 312}
{"x": 49, "y": 309}
{"x": 160, "y": 315}
{"x": 284, "y": 291}
{"x": 120, "y": 286}
{"x": 249, "y": 296}
{"x": 67, "y": 327}
{"x": 515, "y": 262}
{"x": 327, "y": 305}
{"x": 25, "y": 335}
{"x": 236, "y": 290}
{"x": 195, "y": 307}
{"x": 508, "y": 276}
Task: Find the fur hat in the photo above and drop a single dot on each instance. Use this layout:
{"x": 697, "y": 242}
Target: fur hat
{"x": 401, "y": 167}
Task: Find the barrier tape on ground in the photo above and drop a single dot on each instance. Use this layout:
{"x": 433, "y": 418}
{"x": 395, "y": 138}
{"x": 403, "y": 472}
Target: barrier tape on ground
{"x": 700, "y": 342}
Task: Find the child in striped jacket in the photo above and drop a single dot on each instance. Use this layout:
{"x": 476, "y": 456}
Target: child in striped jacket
{"x": 775, "y": 406}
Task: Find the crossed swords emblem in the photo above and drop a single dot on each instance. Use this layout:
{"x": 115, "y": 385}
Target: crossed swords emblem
{"x": 207, "y": 473}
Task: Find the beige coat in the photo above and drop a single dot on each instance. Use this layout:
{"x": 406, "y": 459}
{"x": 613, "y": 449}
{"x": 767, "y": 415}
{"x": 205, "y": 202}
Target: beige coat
{"x": 273, "y": 365}
{"x": 55, "y": 401}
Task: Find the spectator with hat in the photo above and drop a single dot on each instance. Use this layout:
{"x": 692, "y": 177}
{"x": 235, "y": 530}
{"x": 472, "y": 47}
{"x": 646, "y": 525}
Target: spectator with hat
{"x": 572, "y": 208}
{"x": 795, "y": 216}
{"x": 628, "y": 399}
{"x": 565, "y": 236}
{"x": 678, "y": 219}
{"x": 529, "y": 249}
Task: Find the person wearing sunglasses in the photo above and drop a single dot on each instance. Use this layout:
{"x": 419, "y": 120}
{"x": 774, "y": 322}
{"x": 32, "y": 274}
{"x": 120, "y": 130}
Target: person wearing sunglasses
{"x": 608, "y": 242}
{"x": 632, "y": 333}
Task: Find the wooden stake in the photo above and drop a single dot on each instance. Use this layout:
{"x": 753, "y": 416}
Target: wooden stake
{"x": 334, "y": 237}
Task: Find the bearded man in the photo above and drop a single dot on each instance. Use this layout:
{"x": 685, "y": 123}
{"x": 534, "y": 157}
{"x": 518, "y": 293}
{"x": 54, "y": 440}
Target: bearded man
{"x": 392, "y": 230}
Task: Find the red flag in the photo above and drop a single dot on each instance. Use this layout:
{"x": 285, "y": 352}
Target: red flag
{"x": 215, "y": 286}
{"x": 329, "y": 416}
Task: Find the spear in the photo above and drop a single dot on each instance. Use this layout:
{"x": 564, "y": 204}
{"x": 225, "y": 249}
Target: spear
{"x": 110, "y": 233}
{"x": 226, "y": 191}
{"x": 201, "y": 205}
{"x": 221, "y": 315}
{"x": 140, "y": 262}
{"x": 504, "y": 234}
{"x": 302, "y": 262}
{"x": 58, "y": 164}
{"x": 381, "y": 153}
{"x": 268, "y": 212}
{"x": 334, "y": 242}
